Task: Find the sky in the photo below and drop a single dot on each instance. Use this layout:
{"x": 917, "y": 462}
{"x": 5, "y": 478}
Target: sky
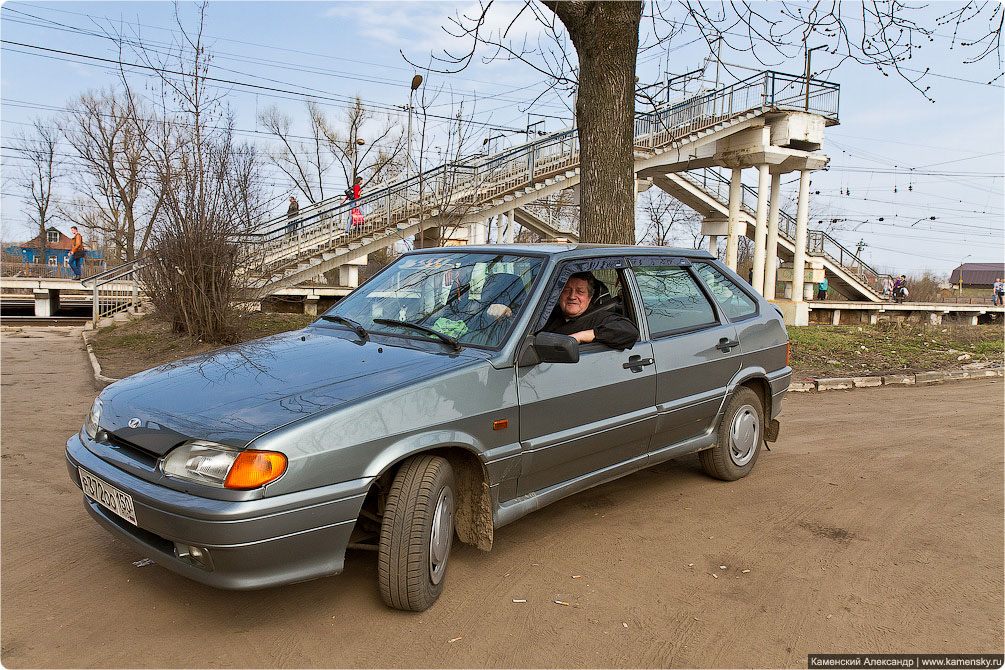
{"x": 894, "y": 156}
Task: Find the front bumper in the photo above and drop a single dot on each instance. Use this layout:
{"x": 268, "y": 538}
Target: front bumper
{"x": 251, "y": 544}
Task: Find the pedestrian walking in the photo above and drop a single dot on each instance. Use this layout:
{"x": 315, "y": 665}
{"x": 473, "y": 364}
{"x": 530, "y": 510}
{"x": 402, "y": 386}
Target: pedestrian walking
{"x": 291, "y": 216}
{"x": 822, "y": 289}
{"x": 355, "y": 215}
{"x": 900, "y": 288}
{"x": 76, "y": 254}
{"x": 999, "y": 291}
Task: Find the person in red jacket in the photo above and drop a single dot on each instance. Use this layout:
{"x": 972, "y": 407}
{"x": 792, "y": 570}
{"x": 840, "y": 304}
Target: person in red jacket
{"x": 355, "y": 215}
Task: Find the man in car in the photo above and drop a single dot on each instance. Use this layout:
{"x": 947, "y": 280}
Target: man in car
{"x": 603, "y": 326}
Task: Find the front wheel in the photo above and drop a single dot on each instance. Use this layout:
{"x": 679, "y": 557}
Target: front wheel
{"x": 416, "y": 533}
{"x": 739, "y": 438}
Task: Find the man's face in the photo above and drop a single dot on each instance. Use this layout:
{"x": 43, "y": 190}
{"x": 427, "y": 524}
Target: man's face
{"x": 575, "y": 297}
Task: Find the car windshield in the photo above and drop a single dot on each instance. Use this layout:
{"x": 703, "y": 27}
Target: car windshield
{"x": 473, "y": 298}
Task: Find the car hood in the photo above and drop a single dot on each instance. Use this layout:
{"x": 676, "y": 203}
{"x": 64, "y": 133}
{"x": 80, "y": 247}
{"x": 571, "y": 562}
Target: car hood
{"x": 235, "y": 394}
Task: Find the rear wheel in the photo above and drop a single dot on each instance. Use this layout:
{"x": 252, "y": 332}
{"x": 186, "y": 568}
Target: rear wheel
{"x": 739, "y": 438}
{"x": 416, "y": 533}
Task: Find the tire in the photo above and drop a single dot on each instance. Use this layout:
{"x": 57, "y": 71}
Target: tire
{"x": 740, "y": 435}
{"x": 416, "y": 533}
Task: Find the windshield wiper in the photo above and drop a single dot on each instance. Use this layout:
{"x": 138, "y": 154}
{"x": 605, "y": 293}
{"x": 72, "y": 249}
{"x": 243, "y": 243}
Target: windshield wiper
{"x": 452, "y": 341}
{"x": 360, "y": 330}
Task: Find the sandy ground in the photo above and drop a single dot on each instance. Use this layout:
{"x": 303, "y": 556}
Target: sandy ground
{"x": 874, "y": 525}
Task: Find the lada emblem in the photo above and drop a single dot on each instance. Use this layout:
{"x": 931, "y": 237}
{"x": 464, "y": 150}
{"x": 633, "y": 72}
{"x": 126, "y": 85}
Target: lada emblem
{"x": 134, "y": 422}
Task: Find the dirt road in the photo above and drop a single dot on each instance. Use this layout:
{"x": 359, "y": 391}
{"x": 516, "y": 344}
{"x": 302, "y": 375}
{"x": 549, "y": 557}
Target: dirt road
{"x": 873, "y": 525}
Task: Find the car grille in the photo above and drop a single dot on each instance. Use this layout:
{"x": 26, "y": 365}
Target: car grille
{"x": 133, "y": 451}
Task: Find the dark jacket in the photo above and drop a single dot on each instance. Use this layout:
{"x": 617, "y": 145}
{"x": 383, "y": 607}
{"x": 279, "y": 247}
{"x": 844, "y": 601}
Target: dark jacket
{"x": 609, "y": 328}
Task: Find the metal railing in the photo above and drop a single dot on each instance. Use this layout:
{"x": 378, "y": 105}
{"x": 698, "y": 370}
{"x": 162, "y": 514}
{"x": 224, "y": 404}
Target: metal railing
{"x": 285, "y": 246}
{"x": 818, "y": 242}
{"x": 91, "y": 266}
{"x": 115, "y": 290}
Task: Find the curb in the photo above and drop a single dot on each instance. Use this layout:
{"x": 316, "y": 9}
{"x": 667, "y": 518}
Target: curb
{"x": 920, "y": 378}
{"x": 95, "y": 365}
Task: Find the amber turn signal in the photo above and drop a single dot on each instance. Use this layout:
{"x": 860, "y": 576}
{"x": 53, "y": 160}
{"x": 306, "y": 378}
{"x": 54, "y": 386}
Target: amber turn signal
{"x": 502, "y": 424}
{"x": 255, "y": 468}
{"x": 787, "y": 345}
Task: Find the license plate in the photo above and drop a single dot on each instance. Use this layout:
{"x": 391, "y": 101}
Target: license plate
{"x": 107, "y": 496}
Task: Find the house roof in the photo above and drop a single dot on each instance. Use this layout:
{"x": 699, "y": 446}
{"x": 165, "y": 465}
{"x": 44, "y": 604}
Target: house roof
{"x": 64, "y": 242}
{"x": 978, "y": 274}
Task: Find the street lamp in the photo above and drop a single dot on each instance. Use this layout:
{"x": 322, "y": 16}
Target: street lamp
{"x": 961, "y": 271}
{"x": 930, "y": 218}
{"x": 416, "y": 83}
{"x": 808, "y": 54}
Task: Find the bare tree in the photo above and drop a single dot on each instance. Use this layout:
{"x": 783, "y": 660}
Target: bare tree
{"x": 39, "y": 147}
{"x": 356, "y": 145}
{"x": 667, "y": 221}
{"x": 119, "y": 196}
{"x": 305, "y": 160}
{"x": 210, "y": 192}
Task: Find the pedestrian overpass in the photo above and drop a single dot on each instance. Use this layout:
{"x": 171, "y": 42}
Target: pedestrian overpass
{"x": 771, "y": 121}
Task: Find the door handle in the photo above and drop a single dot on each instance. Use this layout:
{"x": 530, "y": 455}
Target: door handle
{"x": 726, "y": 344}
{"x": 636, "y": 363}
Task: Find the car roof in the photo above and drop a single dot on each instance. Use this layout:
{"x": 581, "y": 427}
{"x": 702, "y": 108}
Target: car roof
{"x": 573, "y": 250}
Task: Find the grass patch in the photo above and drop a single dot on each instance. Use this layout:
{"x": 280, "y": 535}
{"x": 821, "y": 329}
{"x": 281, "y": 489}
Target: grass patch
{"x": 127, "y": 348}
{"x": 838, "y": 351}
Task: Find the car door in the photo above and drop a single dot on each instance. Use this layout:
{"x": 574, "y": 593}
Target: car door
{"x": 695, "y": 348}
{"x": 580, "y": 418}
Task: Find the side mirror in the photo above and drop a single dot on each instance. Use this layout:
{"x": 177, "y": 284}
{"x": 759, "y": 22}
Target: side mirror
{"x": 549, "y": 348}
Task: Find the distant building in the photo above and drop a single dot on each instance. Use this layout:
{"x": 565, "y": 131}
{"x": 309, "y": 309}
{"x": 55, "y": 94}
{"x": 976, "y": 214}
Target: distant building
{"x": 977, "y": 277}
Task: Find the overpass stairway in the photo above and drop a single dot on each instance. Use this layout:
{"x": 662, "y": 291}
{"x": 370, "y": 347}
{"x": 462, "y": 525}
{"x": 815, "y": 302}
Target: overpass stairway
{"x": 707, "y": 192}
{"x": 321, "y": 238}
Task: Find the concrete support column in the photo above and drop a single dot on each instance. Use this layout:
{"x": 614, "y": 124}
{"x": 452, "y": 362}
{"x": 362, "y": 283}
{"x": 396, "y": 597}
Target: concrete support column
{"x": 311, "y": 304}
{"x": 760, "y": 229}
{"x": 348, "y": 275}
{"x": 771, "y": 253}
{"x": 713, "y": 245}
{"x": 799, "y": 258}
{"x": 733, "y": 227}
{"x": 510, "y": 227}
{"x": 46, "y": 301}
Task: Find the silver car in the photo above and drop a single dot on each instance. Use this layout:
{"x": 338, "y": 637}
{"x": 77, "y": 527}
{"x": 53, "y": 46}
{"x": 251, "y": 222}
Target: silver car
{"x": 429, "y": 402}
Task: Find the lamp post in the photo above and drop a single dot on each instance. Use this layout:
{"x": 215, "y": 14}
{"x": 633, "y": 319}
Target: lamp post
{"x": 961, "y": 271}
{"x": 809, "y": 52}
{"x": 416, "y": 83}
{"x": 929, "y": 218}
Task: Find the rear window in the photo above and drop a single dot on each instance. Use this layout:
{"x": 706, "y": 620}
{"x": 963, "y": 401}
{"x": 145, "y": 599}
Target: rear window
{"x": 672, "y": 300}
{"x": 732, "y": 300}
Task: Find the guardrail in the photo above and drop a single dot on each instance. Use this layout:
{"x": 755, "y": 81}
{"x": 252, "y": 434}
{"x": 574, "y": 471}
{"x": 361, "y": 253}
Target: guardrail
{"x": 111, "y": 299}
{"x": 90, "y": 267}
{"x": 476, "y": 180}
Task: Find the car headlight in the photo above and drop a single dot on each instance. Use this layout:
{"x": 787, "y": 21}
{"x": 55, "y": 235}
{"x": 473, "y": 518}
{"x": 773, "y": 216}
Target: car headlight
{"x": 91, "y": 420}
{"x": 224, "y": 467}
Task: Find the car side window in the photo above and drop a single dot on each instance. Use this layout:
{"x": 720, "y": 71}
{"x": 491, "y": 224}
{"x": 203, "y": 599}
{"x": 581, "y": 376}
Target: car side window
{"x": 672, "y": 300}
{"x": 734, "y": 303}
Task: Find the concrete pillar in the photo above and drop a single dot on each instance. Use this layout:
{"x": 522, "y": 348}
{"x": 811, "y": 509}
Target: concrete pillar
{"x": 802, "y": 213}
{"x": 348, "y": 275}
{"x": 311, "y": 304}
{"x": 510, "y": 227}
{"x": 733, "y": 227}
{"x": 46, "y": 301}
{"x": 760, "y": 229}
{"x": 713, "y": 245}
{"x": 837, "y": 318}
{"x": 771, "y": 253}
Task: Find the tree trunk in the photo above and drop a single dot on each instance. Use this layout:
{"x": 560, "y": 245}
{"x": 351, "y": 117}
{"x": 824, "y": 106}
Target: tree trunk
{"x": 606, "y": 37}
